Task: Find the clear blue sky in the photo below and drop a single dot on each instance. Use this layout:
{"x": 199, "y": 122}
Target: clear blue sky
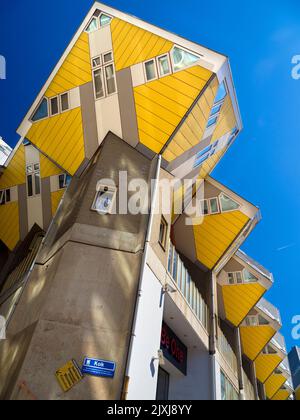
{"x": 260, "y": 37}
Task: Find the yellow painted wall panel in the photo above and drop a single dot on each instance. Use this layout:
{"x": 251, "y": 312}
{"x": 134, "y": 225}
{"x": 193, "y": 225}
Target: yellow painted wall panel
{"x": 48, "y": 168}
{"x": 9, "y": 224}
{"x": 61, "y": 138}
{"x": 216, "y": 234}
{"x": 255, "y": 339}
{"x": 162, "y": 104}
{"x": 281, "y": 396}
{"x": 55, "y": 200}
{"x": 226, "y": 122}
{"x": 76, "y": 69}
{"x": 265, "y": 365}
{"x": 298, "y": 394}
{"x": 134, "y": 45}
{"x": 14, "y": 174}
{"x": 273, "y": 384}
{"x": 195, "y": 124}
{"x": 240, "y": 299}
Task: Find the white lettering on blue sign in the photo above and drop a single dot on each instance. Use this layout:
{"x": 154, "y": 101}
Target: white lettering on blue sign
{"x": 100, "y": 368}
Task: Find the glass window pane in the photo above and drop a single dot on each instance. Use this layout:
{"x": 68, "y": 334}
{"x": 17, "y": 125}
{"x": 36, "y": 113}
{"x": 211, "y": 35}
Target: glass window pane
{"x": 61, "y": 181}
{"x": 249, "y": 277}
{"x": 99, "y": 91}
{"x": 222, "y": 93}
{"x": 7, "y": 196}
{"x": 227, "y": 204}
{"x": 214, "y": 205}
{"x": 216, "y": 109}
{"x": 104, "y": 20}
{"x": 36, "y": 166}
{"x": 164, "y": 65}
{"x": 212, "y": 121}
{"x": 42, "y": 111}
{"x": 231, "y": 278}
{"x": 262, "y": 321}
{"x": 170, "y": 259}
{"x": 175, "y": 262}
{"x": 110, "y": 79}
{"x": 182, "y": 58}
{"x": 96, "y": 62}
{"x": 37, "y": 183}
{"x": 107, "y": 57}
{"x": 239, "y": 278}
{"x": 150, "y": 70}
{"x": 92, "y": 26}
{"x": 29, "y": 169}
{"x": 64, "y": 99}
{"x": 29, "y": 186}
{"x": 2, "y": 198}
{"x": 54, "y": 106}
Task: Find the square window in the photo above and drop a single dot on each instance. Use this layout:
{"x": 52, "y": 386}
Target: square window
{"x": 150, "y": 69}
{"x": 96, "y": 62}
{"x": 29, "y": 185}
{"x": 164, "y": 65}
{"x": 239, "y": 278}
{"x": 212, "y": 121}
{"x": 62, "y": 181}
{"x": 36, "y": 166}
{"x": 29, "y": 169}
{"x": 214, "y": 206}
{"x": 163, "y": 230}
{"x": 64, "y": 100}
{"x": 104, "y": 200}
{"x": 107, "y": 58}
{"x": 104, "y": 20}
{"x": 54, "y": 108}
{"x": 231, "y": 278}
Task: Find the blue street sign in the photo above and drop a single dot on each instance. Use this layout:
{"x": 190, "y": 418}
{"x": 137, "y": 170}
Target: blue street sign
{"x": 100, "y": 368}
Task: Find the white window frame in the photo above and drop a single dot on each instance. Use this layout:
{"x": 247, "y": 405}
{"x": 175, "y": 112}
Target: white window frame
{"x": 60, "y": 102}
{"x": 103, "y": 189}
{"x": 65, "y": 181}
{"x": 34, "y": 112}
{"x": 170, "y": 65}
{"x": 235, "y": 273}
{"x": 200, "y": 56}
{"x": 99, "y": 17}
{"x": 98, "y": 24}
{"x": 102, "y": 67}
{"x": 32, "y": 173}
{"x": 156, "y": 70}
{"x": 3, "y": 195}
{"x": 229, "y": 211}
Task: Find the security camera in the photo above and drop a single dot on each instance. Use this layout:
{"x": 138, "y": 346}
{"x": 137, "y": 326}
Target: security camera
{"x": 161, "y": 357}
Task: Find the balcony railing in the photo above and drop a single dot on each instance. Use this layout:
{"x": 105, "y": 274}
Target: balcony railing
{"x": 187, "y": 287}
{"x": 254, "y": 264}
{"x": 227, "y": 352}
{"x": 269, "y": 310}
{"x": 279, "y": 342}
{"x": 249, "y": 389}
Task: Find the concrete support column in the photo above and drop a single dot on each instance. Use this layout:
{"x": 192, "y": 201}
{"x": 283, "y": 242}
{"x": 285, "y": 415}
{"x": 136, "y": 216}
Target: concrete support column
{"x": 254, "y": 380}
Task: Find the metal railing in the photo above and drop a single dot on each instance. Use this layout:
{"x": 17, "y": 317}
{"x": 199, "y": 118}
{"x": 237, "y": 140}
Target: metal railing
{"x": 254, "y": 264}
{"x": 226, "y": 351}
{"x": 187, "y": 287}
{"x": 279, "y": 342}
{"x": 249, "y": 388}
{"x": 269, "y": 310}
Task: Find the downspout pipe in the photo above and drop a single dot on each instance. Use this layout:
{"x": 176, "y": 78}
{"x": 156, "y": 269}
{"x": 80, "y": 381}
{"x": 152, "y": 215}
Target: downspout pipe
{"x": 213, "y": 333}
{"x": 143, "y": 266}
{"x": 240, "y": 364}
